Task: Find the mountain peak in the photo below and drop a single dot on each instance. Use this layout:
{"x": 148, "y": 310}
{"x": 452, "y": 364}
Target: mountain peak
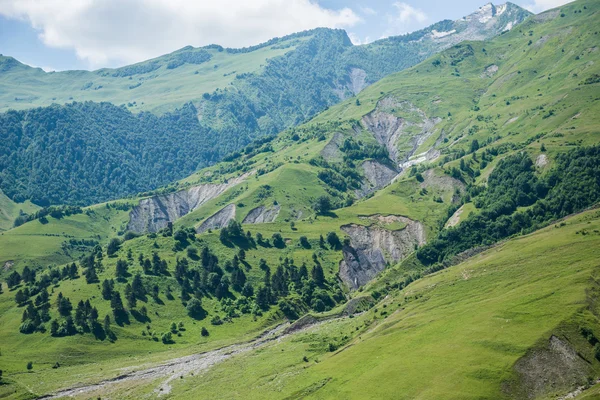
{"x": 490, "y": 10}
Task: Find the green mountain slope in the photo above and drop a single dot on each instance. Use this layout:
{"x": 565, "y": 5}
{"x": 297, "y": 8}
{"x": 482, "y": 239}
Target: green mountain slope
{"x": 217, "y": 100}
{"x": 461, "y": 130}
{"x": 468, "y": 332}
{"x": 323, "y": 55}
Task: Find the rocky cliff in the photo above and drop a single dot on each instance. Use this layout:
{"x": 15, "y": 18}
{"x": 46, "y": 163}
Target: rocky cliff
{"x": 372, "y": 247}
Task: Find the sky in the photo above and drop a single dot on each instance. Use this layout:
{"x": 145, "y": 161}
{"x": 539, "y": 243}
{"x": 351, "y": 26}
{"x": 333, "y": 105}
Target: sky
{"x": 93, "y": 34}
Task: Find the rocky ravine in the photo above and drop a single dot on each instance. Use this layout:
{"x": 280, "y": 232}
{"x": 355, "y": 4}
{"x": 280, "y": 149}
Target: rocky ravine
{"x": 387, "y": 128}
{"x": 372, "y": 246}
{"x": 218, "y": 220}
{"x": 154, "y": 213}
{"x": 377, "y": 176}
{"x": 262, "y": 214}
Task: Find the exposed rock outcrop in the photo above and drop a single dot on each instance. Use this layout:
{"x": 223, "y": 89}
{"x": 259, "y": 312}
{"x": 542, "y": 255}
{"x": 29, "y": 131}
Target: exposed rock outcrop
{"x": 541, "y": 161}
{"x": 358, "y": 80}
{"x": 489, "y": 71}
{"x": 262, "y": 214}
{"x": 387, "y": 128}
{"x": 155, "y": 213}
{"x": 371, "y": 247}
{"x": 377, "y": 176}
{"x": 332, "y": 151}
{"x": 548, "y": 370}
{"x": 352, "y": 84}
{"x": 218, "y": 220}
{"x": 443, "y": 183}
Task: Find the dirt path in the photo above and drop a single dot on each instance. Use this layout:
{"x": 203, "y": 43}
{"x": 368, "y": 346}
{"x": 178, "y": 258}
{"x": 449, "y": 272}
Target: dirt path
{"x": 193, "y": 364}
{"x": 175, "y": 368}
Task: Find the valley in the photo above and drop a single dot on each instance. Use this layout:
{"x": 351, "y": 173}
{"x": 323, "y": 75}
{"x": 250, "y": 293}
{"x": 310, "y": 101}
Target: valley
{"x": 431, "y": 232}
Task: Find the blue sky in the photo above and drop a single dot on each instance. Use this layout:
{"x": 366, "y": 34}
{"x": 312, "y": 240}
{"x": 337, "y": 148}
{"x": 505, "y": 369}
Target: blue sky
{"x": 91, "y": 34}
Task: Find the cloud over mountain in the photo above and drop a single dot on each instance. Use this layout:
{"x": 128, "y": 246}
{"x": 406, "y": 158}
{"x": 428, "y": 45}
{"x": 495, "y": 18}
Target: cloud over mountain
{"x": 117, "y": 32}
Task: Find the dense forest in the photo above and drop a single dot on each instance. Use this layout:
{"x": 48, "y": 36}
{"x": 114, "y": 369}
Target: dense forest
{"x": 84, "y": 153}
{"x": 517, "y": 201}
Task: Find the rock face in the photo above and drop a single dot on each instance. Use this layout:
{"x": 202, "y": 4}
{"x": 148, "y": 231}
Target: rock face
{"x": 388, "y": 128}
{"x": 218, "y": 220}
{"x": 155, "y": 213}
{"x": 331, "y": 151}
{"x": 541, "y": 161}
{"x": 261, "y": 215}
{"x": 372, "y": 246}
{"x": 550, "y": 369}
{"x": 358, "y": 80}
{"x": 377, "y": 176}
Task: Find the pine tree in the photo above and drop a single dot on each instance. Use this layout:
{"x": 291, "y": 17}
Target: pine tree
{"x": 279, "y": 282}
{"x": 317, "y": 274}
{"x": 13, "y": 279}
{"x": 138, "y": 287}
{"x": 107, "y": 289}
{"x": 113, "y": 246}
{"x": 90, "y": 274}
{"x": 116, "y": 303}
{"x": 21, "y": 298}
{"x": 64, "y": 306}
{"x": 54, "y": 327}
{"x": 121, "y": 269}
{"x": 106, "y": 324}
{"x": 238, "y": 279}
{"x": 81, "y": 315}
{"x": 248, "y": 290}
{"x": 73, "y": 272}
{"x": 130, "y": 297}
{"x": 263, "y": 297}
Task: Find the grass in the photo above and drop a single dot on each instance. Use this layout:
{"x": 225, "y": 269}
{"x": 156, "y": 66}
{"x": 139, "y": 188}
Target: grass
{"x": 160, "y": 91}
{"x": 9, "y": 211}
{"x": 454, "y": 334}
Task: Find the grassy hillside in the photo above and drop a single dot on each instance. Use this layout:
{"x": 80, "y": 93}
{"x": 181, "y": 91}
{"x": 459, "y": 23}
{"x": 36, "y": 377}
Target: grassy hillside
{"x": 454, "y": 334}
{"x": 477, "y": 122}
{"x": 168, "y": 82}
{"x": 9, "y": 211}
{"x": 458, "y": 333}
{"x": 206, "y": 102}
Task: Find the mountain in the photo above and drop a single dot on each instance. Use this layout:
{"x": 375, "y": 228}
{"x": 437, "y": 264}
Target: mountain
{"x": 168, "y": 82}
{"x": 216, "y": 99}
{"x": 433, "y": 237}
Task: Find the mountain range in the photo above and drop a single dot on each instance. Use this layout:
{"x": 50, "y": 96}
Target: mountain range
{"x": 191, "y": 107}
{"x": 429, "y": 229}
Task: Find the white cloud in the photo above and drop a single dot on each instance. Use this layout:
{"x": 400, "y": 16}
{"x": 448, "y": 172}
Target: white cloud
{"x": 117, "y": 32}
{"x": 543, "y": 5}
{"x": 406, "y": 18}
{"x": 357, "y": 40}
{"x": 407, "y": 13}
{"x": 368, "y": 11}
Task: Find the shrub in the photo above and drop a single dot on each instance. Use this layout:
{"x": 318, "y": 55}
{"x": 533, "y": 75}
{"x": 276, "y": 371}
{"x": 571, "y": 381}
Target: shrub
{"x": 322, "y": 205}
{"x": 167, "y": 338}
{"x": 194, "y": 308}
